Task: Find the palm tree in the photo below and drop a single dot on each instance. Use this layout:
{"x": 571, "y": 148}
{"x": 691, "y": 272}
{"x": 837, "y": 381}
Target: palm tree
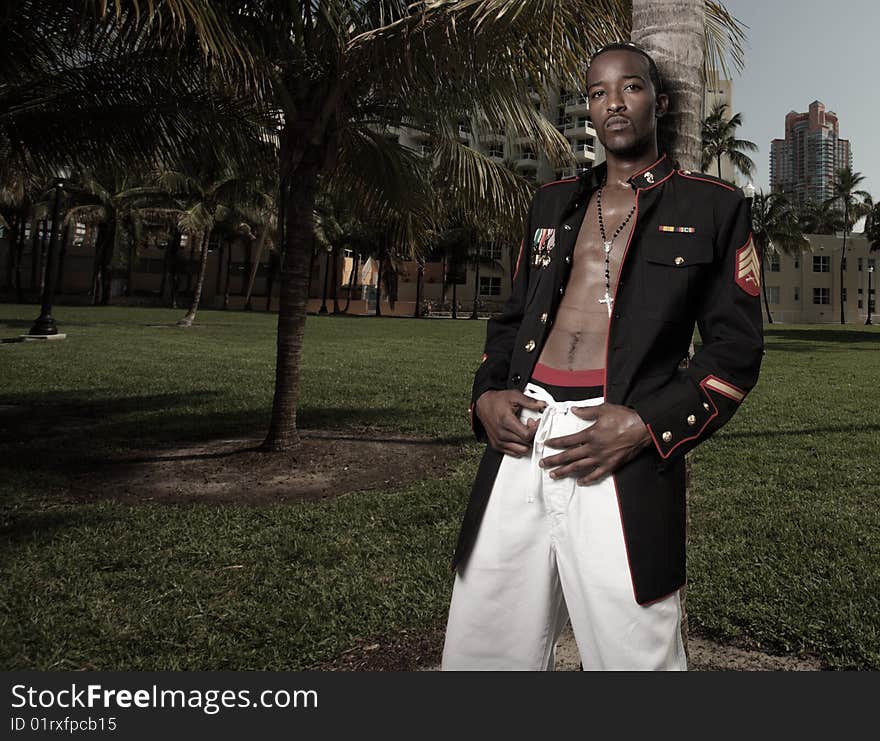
{"x": 872, "y": 230}
{"x": 213, "y": 197}
{"x": 846, "y": 192}
{"x": 820, "y": 218}
{"x": 719, "y": 139}
{"x": 115, "y": 202}
{"x": 775, "y": 229}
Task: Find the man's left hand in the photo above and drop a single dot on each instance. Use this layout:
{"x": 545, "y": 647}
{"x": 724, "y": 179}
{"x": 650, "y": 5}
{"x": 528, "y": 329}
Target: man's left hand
{"x": 616, "y": 437}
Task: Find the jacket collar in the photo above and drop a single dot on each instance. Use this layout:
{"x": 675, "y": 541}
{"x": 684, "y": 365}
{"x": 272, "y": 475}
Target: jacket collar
{"x": 652, "y": 175}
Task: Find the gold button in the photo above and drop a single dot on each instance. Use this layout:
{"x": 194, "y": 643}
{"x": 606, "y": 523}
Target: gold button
{"x": 568, "y": 259}
{"x": 679, "y": 260}
{"x": 706, "y": 406}
{"x": 667, "y": 437}
{"x": 567, "y": 227}
{"x": 544, "y": 318}
{"x": 691, "y": 420}
{"x": 530, "y": 345}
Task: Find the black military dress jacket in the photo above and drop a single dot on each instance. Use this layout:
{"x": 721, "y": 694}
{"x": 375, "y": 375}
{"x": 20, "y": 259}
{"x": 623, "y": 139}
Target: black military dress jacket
{"x": 689, "y": 260}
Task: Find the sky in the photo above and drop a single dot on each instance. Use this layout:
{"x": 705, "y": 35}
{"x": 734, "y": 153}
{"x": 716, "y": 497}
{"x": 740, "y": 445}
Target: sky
{"x": 798, "y": 51}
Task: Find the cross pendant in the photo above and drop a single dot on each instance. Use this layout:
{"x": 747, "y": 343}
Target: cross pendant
{"x": 607, "y": 300}
{"x": 607, "y": 247}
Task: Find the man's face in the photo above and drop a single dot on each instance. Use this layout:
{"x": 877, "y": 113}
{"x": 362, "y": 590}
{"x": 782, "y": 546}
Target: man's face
{"x": 623, "y": 104}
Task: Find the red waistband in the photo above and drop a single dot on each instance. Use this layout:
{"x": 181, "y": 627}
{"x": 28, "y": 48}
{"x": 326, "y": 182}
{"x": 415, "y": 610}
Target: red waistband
{"x": 557, "y": 377}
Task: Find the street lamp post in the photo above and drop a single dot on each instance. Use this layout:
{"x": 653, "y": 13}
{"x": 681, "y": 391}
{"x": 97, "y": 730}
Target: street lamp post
{"x": 45, "y": 325}
{"x": 870, "y": 300}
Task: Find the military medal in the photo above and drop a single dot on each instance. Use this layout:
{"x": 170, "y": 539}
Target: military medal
{"x": 607, "y": 243}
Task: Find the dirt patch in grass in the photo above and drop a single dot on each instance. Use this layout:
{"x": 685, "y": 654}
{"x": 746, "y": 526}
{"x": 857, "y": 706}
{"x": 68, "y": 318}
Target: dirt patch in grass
{"x": 328, "y": 463}
{"x": 422, "y": 651}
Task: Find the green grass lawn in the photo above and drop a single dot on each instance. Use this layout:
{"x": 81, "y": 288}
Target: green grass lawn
{"x": 785, "y": 523}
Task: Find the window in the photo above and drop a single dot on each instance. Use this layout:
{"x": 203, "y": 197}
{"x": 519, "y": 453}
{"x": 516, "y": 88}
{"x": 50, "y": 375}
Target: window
{"x": 797, "y": 263}
{"x": 496, "y": 152}
{"x": 871, "y": 262}
{"x": 797, "y": 293}
{"x": 821, "y": 263}
{"x": 861, "y": 264}
{"x": 821, "y": 296}
{"x": 492, "y": 250}
{"x": 490, "y": 286}
{"x": 774, "y": 263}
{"x": 861, "y": 304}
{"x": 773, "y": 294}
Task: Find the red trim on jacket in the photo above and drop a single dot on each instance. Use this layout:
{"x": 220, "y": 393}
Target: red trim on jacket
{"x": 518, "y": 258}
{"x": 559, "y": 182}
{"x": 652, "y": 165}
{"x": 704, "y": 180}
{"x": 659, "y": 182}
{"x": 684, "y": 439}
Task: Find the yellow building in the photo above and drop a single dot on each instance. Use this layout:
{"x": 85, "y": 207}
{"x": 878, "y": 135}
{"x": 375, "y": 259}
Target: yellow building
{"x": 805, "y": 289}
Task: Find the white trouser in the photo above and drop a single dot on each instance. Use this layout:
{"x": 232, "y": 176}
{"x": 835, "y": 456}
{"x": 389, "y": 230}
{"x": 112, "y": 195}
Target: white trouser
{"x": 548, "y": 550}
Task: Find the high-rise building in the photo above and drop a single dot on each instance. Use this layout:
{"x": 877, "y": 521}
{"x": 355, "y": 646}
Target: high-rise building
{"x": 804, "y": 164}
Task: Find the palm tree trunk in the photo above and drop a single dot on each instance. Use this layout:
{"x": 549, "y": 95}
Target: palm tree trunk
{"x": 351, "y": 280}
{"x": 107, "y": 261}
{"x": 476, "y": 288}
{"x": 10, "y": 256}
{"x": 335, "y": 279}
{"x": 190, "y": 317}
{"x": 221, "y": 253}
{"x": 130, "y": 277}
{"x": 227, "y": 270}
{"x": 843, "y": 260}
{"x": 189, "y": 272}
{"x": 19, "y": 293}
{"x": 261, "y": 242}
{"x": 420, "y": 278}
{"x": 764, "y": 285}
{"x": 672, "y": 33}
{"x": 719, "y": 167}
{"x": 299, "y": 233}
{"x": 379, "y": 288}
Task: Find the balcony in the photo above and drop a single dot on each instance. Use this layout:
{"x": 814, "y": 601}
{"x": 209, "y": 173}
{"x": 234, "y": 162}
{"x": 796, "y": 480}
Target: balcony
{"x": 426, "y": 150}
{"x": 583, "y": 152}
{"x": 579, "y": 129}
{"x": 577, "y": 104}
{"x": 527, "y": 160}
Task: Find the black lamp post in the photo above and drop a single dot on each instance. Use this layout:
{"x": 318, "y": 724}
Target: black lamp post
{"x": 870, "y": 300}
{"x": 45, "y": 324}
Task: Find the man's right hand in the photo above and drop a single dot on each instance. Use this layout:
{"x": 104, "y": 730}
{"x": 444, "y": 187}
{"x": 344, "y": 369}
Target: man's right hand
{"x": 499, "y": 413}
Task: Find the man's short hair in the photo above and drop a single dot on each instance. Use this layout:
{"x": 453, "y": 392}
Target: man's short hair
{"x": 653, "y": 72}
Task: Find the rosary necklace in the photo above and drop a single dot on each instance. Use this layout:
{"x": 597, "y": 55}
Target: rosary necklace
{"x": 606, "y": 243}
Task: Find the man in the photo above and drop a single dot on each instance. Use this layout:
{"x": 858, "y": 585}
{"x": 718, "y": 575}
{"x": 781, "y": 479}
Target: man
{"x": 578, "y": 509}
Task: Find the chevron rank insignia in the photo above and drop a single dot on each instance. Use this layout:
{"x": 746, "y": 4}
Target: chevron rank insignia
{"x": 748, "y": 269}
